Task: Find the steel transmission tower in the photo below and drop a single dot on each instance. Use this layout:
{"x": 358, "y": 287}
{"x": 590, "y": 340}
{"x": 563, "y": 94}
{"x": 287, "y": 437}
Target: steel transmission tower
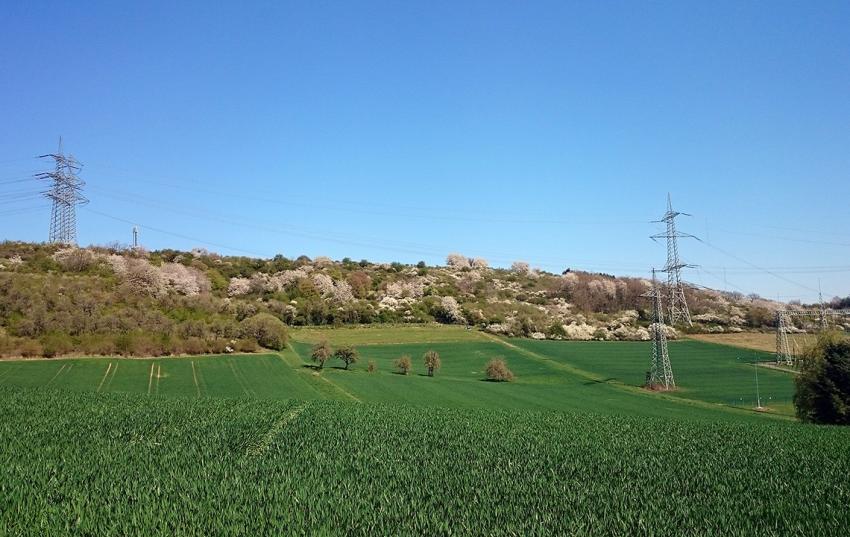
{"x": 660, "y": 372}
{"x": 65, "y": 193}
{"x": 677, "y": 305}
{"x": 784, "y": 352}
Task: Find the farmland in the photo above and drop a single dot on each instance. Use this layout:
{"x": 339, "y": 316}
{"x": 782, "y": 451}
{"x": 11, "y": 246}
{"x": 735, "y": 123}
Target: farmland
{"x": 94, "y": 463}
{"x": 704, "y": 372}
{"x": 266, "y": 444}
{"x": 760, "y": 341}
{"x": 600, "y": 377}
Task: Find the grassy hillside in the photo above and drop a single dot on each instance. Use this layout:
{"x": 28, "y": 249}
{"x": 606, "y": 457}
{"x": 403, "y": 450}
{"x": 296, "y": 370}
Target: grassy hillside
{"x": 58, "y": 301}
{"x": 97, "y": 464}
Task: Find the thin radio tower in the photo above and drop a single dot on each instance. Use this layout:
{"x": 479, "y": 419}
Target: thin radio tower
{"x": 64, "y": 192}
{"x": 677, "y": 305}
{"x": 135, "y": 237}
{"x": 660, "y": 375}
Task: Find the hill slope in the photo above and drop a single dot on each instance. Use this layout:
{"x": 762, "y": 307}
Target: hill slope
{"x": 107, "y": 301}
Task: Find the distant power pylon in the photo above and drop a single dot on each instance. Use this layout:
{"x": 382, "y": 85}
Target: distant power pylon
{"x": 677, "y": 305}
{"x": 65, "y": 193}
{"x": 660, "y": 372}
{"x": 784, "y": 353}
{"x": 135, "y": 237}
{"x": 787, "y": 350}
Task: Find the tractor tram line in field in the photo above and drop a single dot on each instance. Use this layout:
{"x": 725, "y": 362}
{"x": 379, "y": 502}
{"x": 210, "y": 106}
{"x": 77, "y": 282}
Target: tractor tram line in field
{"x": 243, "y": 382}
{"x": 61, "y": 370}
{"x": 263, "y": 444}
{"x": 112, "y": 376}
{"x": 195, "y": 379}
{"x": 106, "y": 374}
{"x": 150, "y": 377}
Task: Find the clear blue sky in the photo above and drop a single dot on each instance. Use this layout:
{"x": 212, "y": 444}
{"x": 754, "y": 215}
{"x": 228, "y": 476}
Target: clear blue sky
{"x": 544, "y": 131}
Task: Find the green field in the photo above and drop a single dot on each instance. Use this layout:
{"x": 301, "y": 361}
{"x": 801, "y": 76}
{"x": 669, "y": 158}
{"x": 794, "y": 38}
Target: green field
{"x": 116, "y": 464}
{"x": 266, "y": 444}
{"x": 715, "y": 382}
{"x": 703, "y": 371}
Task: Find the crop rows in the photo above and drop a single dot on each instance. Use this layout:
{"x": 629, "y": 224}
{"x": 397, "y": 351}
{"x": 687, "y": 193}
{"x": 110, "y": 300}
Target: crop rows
{"x": 105, "y": 464}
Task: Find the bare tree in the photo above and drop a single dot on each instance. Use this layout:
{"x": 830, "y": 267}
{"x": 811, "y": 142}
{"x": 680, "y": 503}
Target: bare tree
{"x": 432, "y": 362}
{"x": 404, "y": 364}
{"x": 497, "y": 370}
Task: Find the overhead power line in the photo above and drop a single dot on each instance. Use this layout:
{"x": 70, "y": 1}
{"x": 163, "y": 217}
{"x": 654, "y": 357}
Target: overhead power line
{"x": 173, "y": 234}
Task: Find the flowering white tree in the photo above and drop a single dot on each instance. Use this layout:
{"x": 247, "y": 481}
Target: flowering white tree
{"x": 142, "y": 277}
{"x": 185, "y": 280}
{"x": 238, "y": 286}
{"x": 413, "y": 288}
{"x": 282, "y": 280}
{"x": 451, "y": 309}
{"x": 456, "y": 260}
{"x": 520, "y": 267}
{"x": 479, "y": 263}
{"x": 342, "y": 292}
{"x": 74, "y": 259}
{"x": 324, "y": 284}
{"x": 603, "y": 287}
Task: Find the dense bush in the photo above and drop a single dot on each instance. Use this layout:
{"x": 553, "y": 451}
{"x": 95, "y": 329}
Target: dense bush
{"x": 497, "y": 370}
{"x": 266, "y": 329}
{"x": 823, "y": 386}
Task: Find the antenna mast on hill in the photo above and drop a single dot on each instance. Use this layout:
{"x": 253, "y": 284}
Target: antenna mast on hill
{"x": 135, "y": 237}
{"x": 660, "y": 372}
{"x": 678, "y": 306}
{"x": 65, "y": 193}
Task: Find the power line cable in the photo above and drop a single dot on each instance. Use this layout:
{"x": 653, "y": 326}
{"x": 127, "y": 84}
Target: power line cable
{"x": 357, "y": 207}
{"x": 178, "y": 235}
{"x": 766, "y": 271}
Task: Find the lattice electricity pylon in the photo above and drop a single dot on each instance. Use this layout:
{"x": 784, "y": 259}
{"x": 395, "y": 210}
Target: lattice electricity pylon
{"x": 65, "y": 194}
{"x": 660, "y": 372}
{"x": 677, "y": 305}
{"x": 787, "y": 351}
{"x": 784, "y": 353}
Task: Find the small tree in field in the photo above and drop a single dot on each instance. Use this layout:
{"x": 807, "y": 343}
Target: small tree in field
{"x": 348, "y": 355}
{"x": 432, "y": 362}
{"x": 404, "y": 364}
{"x": 497, "y": 370}
{"x": 322, "y": 352}
{"x": 372, "y": 366}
